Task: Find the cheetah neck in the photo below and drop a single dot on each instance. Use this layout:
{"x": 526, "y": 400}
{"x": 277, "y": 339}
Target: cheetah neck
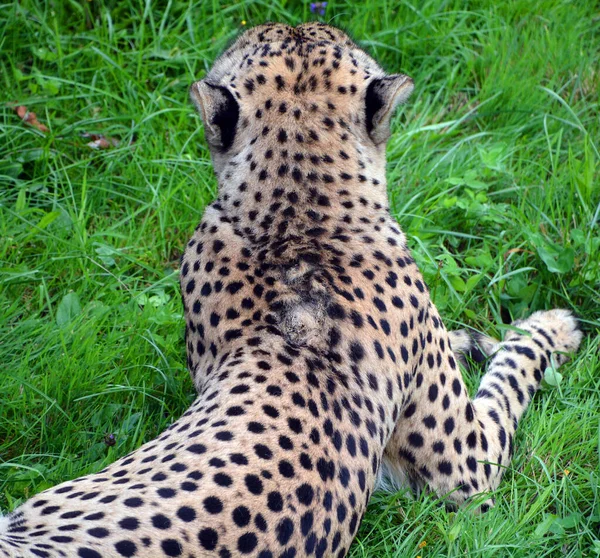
{"x": 303, "y": 191}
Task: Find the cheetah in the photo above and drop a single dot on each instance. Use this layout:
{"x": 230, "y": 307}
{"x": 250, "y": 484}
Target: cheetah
{"x": 317, "y": 353}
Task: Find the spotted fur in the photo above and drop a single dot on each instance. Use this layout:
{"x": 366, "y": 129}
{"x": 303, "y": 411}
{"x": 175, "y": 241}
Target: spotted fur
{"x": 311, "y": 337}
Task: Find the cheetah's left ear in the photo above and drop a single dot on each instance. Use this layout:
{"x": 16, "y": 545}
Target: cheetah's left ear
{"x": 220, "y": 113}
{"x": 383, "y": 96}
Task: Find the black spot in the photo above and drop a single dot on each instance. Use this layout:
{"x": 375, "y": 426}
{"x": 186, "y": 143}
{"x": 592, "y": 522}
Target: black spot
{"x": 306, "y": 523}
{"x": 306, "y": 462}
{"x": 263, "y": 451}
{"x": 52, "y": 509}
{"x": 433, "y": 392}
{"x": 191, "y": 285}
{"x": 430, "y": 422}
{"x": 415, "y": 439}
{"x": 222, "y": 479}
{"x": 438, "y": 447}
{"x": 357, "y": 352}
{"x": 285, "y": 443}
{"x": 525, "y": 351}
{"x": 128, "y": 523}
{"x": 286, "y": 469}
{"x": 94, "y": 516}
{"x": 241, "y": 516}
{"x": 133, "y": 502}
{"x": 336, "y": 312}
{"x": 275, "y": 501}
{"x": 213, "y": 505}
{"x": 449, "y": 426}
{"x": 380, "y": 304}
{"x": 247, "y": 543}
{"x": 238, "y": 459}
{"x": 284, "y": 530}
{"x": 171, "y": 547}
{"x": 445, "y": 468}
{"x": 208, "y": 538}
{"x": 100, "y": 532}
{"x": 260, "y": 522}
{"x": 160, "y": 521}
{"x": 126, "y": 548}
{"x": 469, "y": 415}
{"x": 305, "y": 494}
{"x": 196, "y": 448}
{"x": 254, "y": 484}
{"x": 295, "y": 425}
{"x": 187, "y": 514}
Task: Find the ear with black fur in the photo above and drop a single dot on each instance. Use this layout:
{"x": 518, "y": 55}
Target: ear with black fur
{"x": 383, "y": 96}
{"x": 220, "y": 113}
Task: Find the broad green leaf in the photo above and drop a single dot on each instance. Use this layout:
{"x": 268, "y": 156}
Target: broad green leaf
{"x": 492, "y": 157}
{"x": 472, "y": 281}
{"x": 476, "y": 184}
{"x": 105, "y": 253}
{"x": 570, "y": 521}
{"x": 552, "y": 377}
{"x": 481, "y": 260}
{"x": 45, "y": 54}
{"x": 558, "y": 259}
{"x": 458, "y": 283}
{"x": 469, "y": 179}
{"x": 21, "y": 200}
{"x": 578, "y": 237}
{"x": 454, "y": 532}
{"x": 50, "y": 217}
{"x": 11, "y": 169}
{"x": 159, "y": 298}
{"x": 68, "y": 309}
{"x": 544, "y": 526}
{"x": 450, "y": 201}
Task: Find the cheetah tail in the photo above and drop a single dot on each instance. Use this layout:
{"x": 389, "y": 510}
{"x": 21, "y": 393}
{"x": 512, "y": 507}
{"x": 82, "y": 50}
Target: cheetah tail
{"x": 470, "y": 346}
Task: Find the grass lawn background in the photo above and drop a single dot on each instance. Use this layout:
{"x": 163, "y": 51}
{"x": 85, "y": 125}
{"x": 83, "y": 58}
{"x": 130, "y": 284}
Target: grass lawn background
{"x": 493, "y": 174}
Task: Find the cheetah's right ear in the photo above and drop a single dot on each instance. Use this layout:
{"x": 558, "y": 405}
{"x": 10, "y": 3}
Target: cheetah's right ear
{"x": 382, "y": 97}
{"x": 220, "y": 113}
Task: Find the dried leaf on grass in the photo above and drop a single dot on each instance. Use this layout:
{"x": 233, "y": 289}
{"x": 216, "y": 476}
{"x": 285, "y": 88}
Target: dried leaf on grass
{"x": 30, "y": 118}
{"x": 99, "y": 141}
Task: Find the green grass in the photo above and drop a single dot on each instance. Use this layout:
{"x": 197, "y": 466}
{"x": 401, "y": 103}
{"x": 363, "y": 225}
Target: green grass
{"x": 493, "y": 173}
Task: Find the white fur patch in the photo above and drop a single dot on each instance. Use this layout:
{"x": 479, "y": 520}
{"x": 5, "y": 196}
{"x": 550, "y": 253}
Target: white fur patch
{"x": 4, "y": 523}
{"x": 391, "y": 478}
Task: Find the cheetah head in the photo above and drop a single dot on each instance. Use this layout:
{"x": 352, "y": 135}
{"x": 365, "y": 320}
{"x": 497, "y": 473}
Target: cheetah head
{"x": 308, "y": 84}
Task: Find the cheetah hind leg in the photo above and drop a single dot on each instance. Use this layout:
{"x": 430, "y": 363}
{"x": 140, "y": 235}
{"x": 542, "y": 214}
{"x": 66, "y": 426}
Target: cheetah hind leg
{"x": 463, "y": 449}
{"x": 471, "y": 348}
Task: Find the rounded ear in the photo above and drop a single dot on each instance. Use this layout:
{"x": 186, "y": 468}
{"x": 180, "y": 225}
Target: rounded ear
{"x": 220, "y": 113}
{"x": 383, "y": 96}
